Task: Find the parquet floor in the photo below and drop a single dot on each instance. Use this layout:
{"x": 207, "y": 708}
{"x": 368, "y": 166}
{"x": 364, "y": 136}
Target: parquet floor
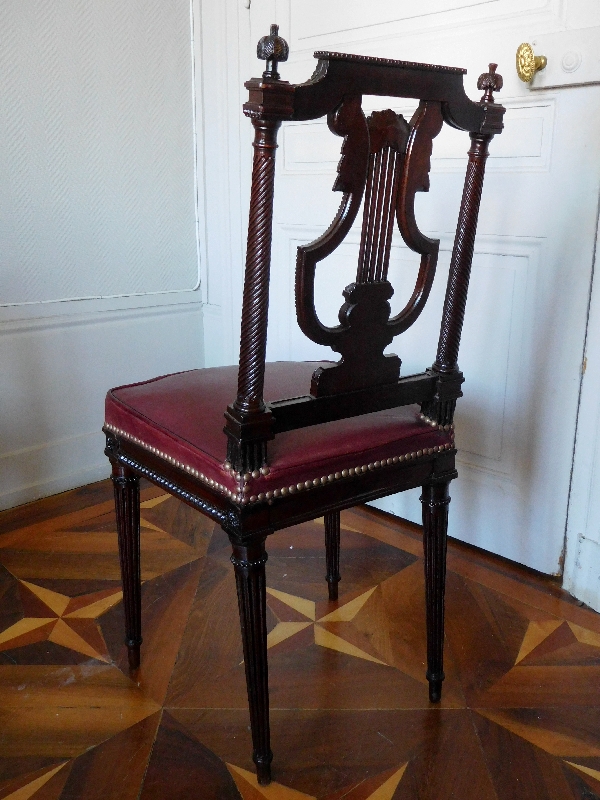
{"x": 520, "y": 718}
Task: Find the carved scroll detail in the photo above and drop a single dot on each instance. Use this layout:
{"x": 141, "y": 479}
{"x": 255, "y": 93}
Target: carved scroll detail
{"x": 425, "y": 125}
{"x": 349, "y": 121}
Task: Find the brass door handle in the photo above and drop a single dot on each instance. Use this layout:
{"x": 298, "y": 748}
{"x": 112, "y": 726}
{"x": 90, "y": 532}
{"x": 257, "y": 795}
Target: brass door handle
{"x": 528, "y": 63}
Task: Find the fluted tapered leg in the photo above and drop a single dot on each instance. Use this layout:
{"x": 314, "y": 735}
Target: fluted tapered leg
{"x": 332, "y": 552}
{"x": 435, "y": 502}
{"x": 127, "y": 506}
{"x": 249, "y": 563}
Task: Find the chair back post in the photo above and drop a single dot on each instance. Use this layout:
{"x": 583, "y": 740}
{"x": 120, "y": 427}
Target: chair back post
{"x": 248, "y": 422}
{"x": 441, "y": 408}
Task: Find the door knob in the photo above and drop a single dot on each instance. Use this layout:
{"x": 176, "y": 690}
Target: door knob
{"x": 528, "y": 63}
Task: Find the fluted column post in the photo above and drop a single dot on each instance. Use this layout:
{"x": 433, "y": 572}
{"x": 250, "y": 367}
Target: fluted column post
{"x": 127, "y": 506}
{"x": 435, "y": 501}
{"x": 249, "y": 564}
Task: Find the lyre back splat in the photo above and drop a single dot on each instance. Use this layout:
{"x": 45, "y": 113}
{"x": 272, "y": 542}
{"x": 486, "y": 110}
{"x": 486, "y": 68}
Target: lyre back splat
{"x": 388, "y": 133}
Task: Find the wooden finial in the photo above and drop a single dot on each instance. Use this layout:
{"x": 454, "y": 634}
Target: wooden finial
{"x": 273, "y": 49}
{"x": 490, "y": 82}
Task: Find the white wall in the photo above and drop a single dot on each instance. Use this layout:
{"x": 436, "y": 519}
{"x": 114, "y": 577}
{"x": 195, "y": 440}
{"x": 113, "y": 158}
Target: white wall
{"x": 533, "y": 256}
{"x": 99, "y": 206}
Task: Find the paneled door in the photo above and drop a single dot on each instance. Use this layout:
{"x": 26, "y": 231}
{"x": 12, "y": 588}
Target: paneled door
{"x": 526, "y": 316}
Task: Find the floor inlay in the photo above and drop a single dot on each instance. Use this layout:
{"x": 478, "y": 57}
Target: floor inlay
{"x": 519, "y": 720}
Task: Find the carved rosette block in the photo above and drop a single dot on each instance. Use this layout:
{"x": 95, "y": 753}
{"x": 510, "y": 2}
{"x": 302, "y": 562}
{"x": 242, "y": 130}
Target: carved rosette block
{"x": 435, "y": 501}
{"x": 332, "y": 552}
{"x": 249, "y": 564}
{"x": 127, "y": 505}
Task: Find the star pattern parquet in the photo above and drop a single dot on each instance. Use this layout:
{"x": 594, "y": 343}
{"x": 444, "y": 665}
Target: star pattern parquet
{"x": 519, "y": 720}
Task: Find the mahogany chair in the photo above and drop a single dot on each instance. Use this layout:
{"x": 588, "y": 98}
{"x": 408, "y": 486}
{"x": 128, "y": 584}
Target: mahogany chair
{"x": 305, "y": 440}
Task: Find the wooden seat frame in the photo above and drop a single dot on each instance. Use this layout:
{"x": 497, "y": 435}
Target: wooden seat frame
{"x": 386, "y": 160}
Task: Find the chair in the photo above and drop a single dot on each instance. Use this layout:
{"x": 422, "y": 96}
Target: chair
{"x": 305, "y": 440}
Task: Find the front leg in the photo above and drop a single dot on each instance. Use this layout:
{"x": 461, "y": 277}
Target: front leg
{"x": 435, "y": 500}
{"x": 127, "y": 506}
{"x": 249, "y": 563}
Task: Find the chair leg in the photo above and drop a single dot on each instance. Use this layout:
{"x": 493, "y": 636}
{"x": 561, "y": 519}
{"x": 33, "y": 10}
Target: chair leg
{"x": 249, "y": 563}
{"x": 435, "y": 500}
{"x": 332, "y": 552}
{"x": 127, "y": 506}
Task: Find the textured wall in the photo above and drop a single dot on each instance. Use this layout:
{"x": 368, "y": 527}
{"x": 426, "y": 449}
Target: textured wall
{"x": 97, "y": 188}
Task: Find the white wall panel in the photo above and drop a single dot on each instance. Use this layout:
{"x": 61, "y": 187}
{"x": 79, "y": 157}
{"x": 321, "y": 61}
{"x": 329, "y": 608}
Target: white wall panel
{"x": 313, "y": 25}
{"x": 55, "y": 375}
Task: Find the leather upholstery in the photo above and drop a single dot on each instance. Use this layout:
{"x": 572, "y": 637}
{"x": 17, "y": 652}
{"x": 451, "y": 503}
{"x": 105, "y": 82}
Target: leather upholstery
{"x": 180, "y": 416}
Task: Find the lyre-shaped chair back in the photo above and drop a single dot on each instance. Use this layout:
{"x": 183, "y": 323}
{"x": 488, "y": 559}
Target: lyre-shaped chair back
{"x": 388, "y": 160}
{"x": 168, "y": 429}
{"x": 384, "y": 161}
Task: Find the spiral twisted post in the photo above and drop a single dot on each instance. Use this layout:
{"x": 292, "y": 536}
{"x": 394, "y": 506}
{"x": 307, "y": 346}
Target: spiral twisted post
{"x": 462, "y": 256}
{"x": 248, "y": 421}
{"x": 441, "y": 408}
{"x": 258, "y": 262}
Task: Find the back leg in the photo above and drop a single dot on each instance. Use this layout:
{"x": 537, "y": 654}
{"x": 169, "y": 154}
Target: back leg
{"x": 332, "y": 552}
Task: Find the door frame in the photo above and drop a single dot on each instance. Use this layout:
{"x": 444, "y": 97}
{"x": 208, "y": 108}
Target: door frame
{"x": 581, "y": 576}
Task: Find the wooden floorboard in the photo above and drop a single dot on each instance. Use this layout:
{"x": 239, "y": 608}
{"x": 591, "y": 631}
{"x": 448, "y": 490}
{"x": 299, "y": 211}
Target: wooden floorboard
{"x": 519, "y": 719}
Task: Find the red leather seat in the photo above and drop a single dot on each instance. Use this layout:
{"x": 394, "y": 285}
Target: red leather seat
{"x": 180, "y": 417}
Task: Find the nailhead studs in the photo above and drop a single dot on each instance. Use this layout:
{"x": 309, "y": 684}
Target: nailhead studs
{"x": 241, "y": 495}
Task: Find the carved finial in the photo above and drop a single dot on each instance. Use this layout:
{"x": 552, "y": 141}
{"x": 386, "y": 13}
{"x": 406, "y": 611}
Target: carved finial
{"x": 490, "y": 82}
{"x": 272, "y": 48}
